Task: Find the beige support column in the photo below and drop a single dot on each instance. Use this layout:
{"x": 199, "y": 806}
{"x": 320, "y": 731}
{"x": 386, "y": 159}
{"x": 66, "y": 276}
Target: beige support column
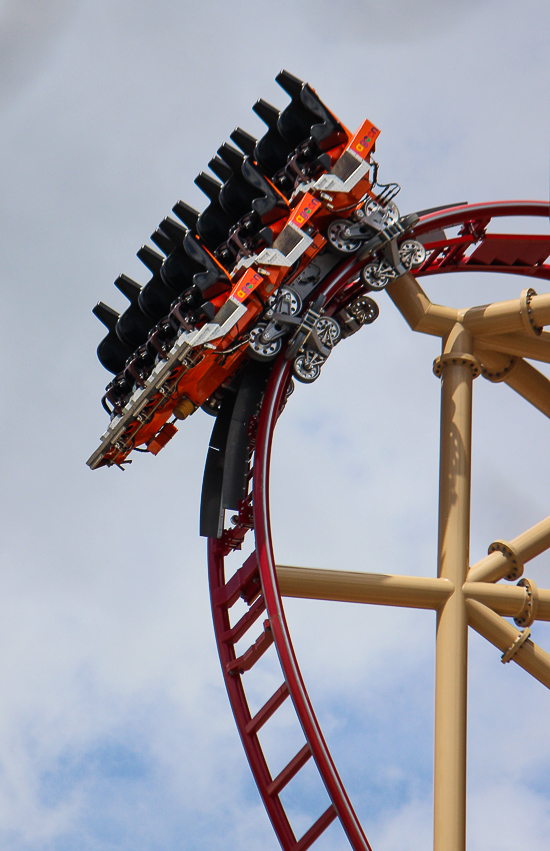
{"x": 457, "y": 368}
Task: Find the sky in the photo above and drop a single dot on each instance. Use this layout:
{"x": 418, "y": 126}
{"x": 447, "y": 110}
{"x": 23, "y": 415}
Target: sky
{"x": 115, "y": 730}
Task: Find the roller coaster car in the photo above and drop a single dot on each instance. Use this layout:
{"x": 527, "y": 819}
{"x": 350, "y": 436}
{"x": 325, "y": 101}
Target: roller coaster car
{"x": 245, "y": 275}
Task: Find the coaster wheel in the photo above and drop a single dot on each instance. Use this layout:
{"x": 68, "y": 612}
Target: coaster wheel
{"x": 337, "y": 242}
{"x": 256, "y": 581}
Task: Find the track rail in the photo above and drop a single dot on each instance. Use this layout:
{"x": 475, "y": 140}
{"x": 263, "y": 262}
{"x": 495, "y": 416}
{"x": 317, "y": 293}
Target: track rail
{"x": 256, "y": 582}
{"x": 475, "y": 250}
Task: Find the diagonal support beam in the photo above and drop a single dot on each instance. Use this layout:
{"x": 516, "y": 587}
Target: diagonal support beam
{"x": 508, "y": 639}
{"x": 520, "y": 344}
{"x": 513, "y": 317}
{"x": 526, "y": 546}
{"x": 417, "y": 309}
{"x": 415, "y": 592}
{"x": 521, "y": 376}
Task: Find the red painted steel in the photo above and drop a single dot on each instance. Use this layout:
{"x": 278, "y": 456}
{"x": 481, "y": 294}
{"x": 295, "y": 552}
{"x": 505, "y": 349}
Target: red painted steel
{"x": 273, "y": 400}
{"x": 256, "y": 581}
{"x": 473, "y": 212}
{"x": 235, "y": 690}
{"x": 245, "y": 583}
{"x": 513, "y": 254}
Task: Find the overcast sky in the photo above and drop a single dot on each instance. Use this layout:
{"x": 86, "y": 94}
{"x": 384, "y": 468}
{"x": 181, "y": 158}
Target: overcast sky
{"x": 115, "y": 731}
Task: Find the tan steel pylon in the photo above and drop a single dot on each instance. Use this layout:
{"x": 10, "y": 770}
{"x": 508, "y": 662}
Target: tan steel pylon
{"x": 491, "y": 340}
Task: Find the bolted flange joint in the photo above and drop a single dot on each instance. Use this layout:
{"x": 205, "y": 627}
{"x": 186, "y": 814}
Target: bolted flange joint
{"x": 529, "y": 612}
{"x": 520, "y": 639}
{"x": 516, "y": 564}
{"x": 501, "y": 374}
{"x": 456, "y": 359}
{"x": 526, "y": 313}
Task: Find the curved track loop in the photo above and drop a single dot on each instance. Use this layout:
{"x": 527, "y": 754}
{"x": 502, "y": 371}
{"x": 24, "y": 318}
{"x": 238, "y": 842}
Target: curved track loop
{"x": 256, "y": 582}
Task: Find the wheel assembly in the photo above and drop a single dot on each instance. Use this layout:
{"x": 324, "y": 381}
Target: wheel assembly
{"x": 287, "y": 301}
{"x": 307, "y": 367}
{"x": 339, "y": 241}
{"x": 328, "y": 330}
{"x": 377, "y": 276}
{"x": 364, "y": 310}
{"x": 412, "y": 253}
{"x": 260, "y": 347}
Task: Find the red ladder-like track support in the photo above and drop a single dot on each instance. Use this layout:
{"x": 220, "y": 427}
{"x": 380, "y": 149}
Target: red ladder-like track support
{"x": 473, "y": 249}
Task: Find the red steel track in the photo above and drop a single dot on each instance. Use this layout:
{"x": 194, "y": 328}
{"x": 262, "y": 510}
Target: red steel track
{"x": 472, "y": 249}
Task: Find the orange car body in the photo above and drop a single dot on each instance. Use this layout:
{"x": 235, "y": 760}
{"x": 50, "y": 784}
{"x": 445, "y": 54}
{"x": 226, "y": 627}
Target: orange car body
{"x": 204, "y": 358}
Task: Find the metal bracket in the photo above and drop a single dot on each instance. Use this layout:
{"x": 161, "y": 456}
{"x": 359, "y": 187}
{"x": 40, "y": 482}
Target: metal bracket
{"x": 529, "y": 613}
{"x": 502, "y": 374}
{"x": 305, "y": 333}
{"x": 516, "y": 564}
{"x": 391, "y": 254}
{"x": 527, "y": 314}
{"x": 515, "y": 646}
{"x": 381, "y": 239}
{"x": 457, "y": 359}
